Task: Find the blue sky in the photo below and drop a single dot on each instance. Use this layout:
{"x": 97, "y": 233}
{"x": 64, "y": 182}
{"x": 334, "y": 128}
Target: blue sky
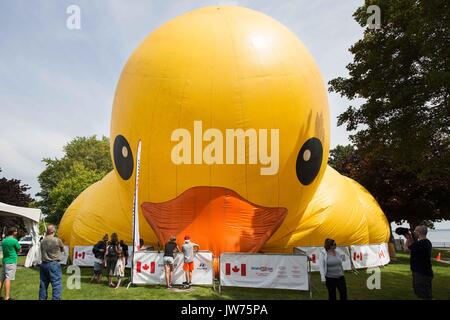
{"x": 56, "y": 83}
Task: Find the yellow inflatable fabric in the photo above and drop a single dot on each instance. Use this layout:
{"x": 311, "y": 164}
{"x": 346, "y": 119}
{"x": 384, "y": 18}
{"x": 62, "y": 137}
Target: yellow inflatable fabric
{"x": 233, "y": 117}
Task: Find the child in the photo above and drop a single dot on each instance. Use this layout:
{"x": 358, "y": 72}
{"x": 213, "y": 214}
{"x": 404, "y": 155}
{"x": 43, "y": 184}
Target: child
{"x": 119, "y": 272}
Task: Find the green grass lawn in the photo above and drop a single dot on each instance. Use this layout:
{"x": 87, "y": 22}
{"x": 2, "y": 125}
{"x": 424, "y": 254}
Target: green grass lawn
{"x": 395, "y": 284}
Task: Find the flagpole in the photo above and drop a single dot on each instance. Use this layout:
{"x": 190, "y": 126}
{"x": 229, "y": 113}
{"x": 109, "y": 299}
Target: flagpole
{"x": 135, "y": 211}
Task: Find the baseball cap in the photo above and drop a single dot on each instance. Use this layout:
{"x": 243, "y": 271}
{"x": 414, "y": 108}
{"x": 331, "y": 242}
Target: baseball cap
{"x": 186, "y": 237}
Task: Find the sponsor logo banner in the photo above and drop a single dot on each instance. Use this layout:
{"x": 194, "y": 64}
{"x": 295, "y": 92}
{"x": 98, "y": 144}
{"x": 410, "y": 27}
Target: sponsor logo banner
{"x": 264, "y": 271}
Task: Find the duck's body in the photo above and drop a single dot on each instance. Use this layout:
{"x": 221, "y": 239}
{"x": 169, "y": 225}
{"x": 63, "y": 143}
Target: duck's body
{"x": 224, "y": 68}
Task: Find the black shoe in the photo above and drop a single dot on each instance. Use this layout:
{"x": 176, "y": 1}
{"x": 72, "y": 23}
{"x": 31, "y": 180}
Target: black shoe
{"x": 185, "y": 283}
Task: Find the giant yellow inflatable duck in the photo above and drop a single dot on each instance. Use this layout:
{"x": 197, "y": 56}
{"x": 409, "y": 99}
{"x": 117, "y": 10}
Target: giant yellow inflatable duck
{"x": 233, "y": 119}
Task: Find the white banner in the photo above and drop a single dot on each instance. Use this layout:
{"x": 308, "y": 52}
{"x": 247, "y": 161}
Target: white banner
{"x": 149, "y": 268}
{"x": 313, "y": 254}
{"x": 264, "y": 271}
{"x": 65, "y": 255}
{"x": 367, "y": 256}
{"x": 84, "y": 257}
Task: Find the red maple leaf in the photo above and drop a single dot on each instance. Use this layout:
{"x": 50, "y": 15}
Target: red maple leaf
{"x": 145, "y": 267}
{"x": 235, "y": 269}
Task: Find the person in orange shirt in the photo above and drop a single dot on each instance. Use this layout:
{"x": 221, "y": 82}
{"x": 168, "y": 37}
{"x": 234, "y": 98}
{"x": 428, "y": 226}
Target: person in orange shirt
{"x": 188, "y": 249}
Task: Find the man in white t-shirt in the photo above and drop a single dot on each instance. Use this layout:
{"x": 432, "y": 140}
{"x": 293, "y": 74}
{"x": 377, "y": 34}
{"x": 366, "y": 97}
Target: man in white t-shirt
{"x": 188, "y": 249}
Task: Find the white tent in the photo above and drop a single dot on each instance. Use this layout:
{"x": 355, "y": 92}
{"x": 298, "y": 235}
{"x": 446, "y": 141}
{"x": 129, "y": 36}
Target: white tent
{"x": 30, "y": 217}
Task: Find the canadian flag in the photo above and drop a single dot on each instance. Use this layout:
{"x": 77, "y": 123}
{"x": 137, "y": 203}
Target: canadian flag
{"x": 80, "y": 255}
{"x": 236, "y": 269}
{"x": 357, "y": 256}
{"x": 145, "y": 267}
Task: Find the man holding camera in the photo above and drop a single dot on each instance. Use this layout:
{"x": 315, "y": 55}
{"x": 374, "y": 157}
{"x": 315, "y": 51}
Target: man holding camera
{"x": 420, "y": 261}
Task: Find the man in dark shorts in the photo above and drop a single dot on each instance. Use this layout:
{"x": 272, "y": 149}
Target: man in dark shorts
{"x": 99, "y": 253}
{"x": 420, "y": 261}
{"x": 168, "y": 259}
{"x": 10, "y": 247}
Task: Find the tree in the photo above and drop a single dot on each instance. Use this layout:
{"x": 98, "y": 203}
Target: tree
{"x": 86, "y": 160}
{"x": 402, "y": 129}
{"x": 14, "y": 193}
{"x": 401, "y": 195}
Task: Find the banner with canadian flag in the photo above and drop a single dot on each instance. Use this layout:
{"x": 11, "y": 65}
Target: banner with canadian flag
{"x": 84, "y": 257}
{"x": 149, "y": 268}
{"x": 314, "y": 252}
{"x": 368, "y": 256}
{"x": 264, "y": 271}
{"x": 361, "y": 256}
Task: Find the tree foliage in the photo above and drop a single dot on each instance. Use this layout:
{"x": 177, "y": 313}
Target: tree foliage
{"x": 86, "y": 160}
{"x": 14, "y": 193}
{"x": 400, "y": 193}
{"x": 401, "y": 131}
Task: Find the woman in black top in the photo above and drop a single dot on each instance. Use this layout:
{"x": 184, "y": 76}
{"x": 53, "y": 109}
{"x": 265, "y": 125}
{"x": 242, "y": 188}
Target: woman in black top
{"x": 168, "y": 258}
{"x": 111, "y": 257}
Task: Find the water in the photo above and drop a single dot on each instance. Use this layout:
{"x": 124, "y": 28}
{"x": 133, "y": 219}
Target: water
{"x": 439, "y": 237}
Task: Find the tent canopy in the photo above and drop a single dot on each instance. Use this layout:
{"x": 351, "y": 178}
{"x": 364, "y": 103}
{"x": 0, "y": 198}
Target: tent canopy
{"x": 7, "y": 210}
{"x": 30, "y": 217}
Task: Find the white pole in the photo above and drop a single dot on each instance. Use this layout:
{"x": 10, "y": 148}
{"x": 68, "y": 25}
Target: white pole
{"x": 136, "y": 210}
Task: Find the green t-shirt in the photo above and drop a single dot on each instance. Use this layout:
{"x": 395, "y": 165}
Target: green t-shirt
{"x": 10, "y": 247}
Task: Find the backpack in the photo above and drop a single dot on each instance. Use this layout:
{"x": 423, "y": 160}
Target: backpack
{"x": 111, "y": 251}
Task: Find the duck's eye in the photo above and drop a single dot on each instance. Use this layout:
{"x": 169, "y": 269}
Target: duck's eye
{"x": 123, "y": 157}
{"x": 309, "y": 160}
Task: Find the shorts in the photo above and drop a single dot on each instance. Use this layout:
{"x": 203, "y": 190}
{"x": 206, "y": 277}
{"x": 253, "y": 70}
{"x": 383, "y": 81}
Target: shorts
{"x": 188, "y": 266}
{"x": 9, "y": 271}
{"x": 168, "y": 261}
{"x": 98, "y": 266}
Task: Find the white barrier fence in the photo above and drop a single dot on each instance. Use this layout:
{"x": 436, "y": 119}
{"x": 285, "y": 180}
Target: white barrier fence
{"x": 264, "y": 271}
{"x": 314, "y": 252}
{"x": 360, "y": 256}
{"x": 84, "y": 257}
{"x": 149, "y": 268}
{"x": 368, "y": 256}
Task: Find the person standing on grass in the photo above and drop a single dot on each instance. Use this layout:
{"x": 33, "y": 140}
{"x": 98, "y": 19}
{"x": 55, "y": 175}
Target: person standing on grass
{"x": 169, "y": 249}
{"x": 99, "y": 253}
{"x": 111, "y": 257}
{"x": 10, "y": 247}
{"x": 420, "y": 262}
{"x": 119, "y": 271}
{"x": 124, "y": 248}
{"x": 50, "y": 269}
{"x": 188, "y": 249}
{"x": 332, "y": 270}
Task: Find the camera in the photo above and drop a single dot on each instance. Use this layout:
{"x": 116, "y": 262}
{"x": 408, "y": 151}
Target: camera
{"x": 402, "y": 231}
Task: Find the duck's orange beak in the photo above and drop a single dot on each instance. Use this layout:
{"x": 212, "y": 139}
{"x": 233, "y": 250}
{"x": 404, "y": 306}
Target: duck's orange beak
{"x": 216, "y": 218}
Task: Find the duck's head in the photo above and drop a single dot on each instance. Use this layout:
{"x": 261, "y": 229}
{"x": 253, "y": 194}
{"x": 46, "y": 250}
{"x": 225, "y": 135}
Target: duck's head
{"x": 223, "y": 69}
